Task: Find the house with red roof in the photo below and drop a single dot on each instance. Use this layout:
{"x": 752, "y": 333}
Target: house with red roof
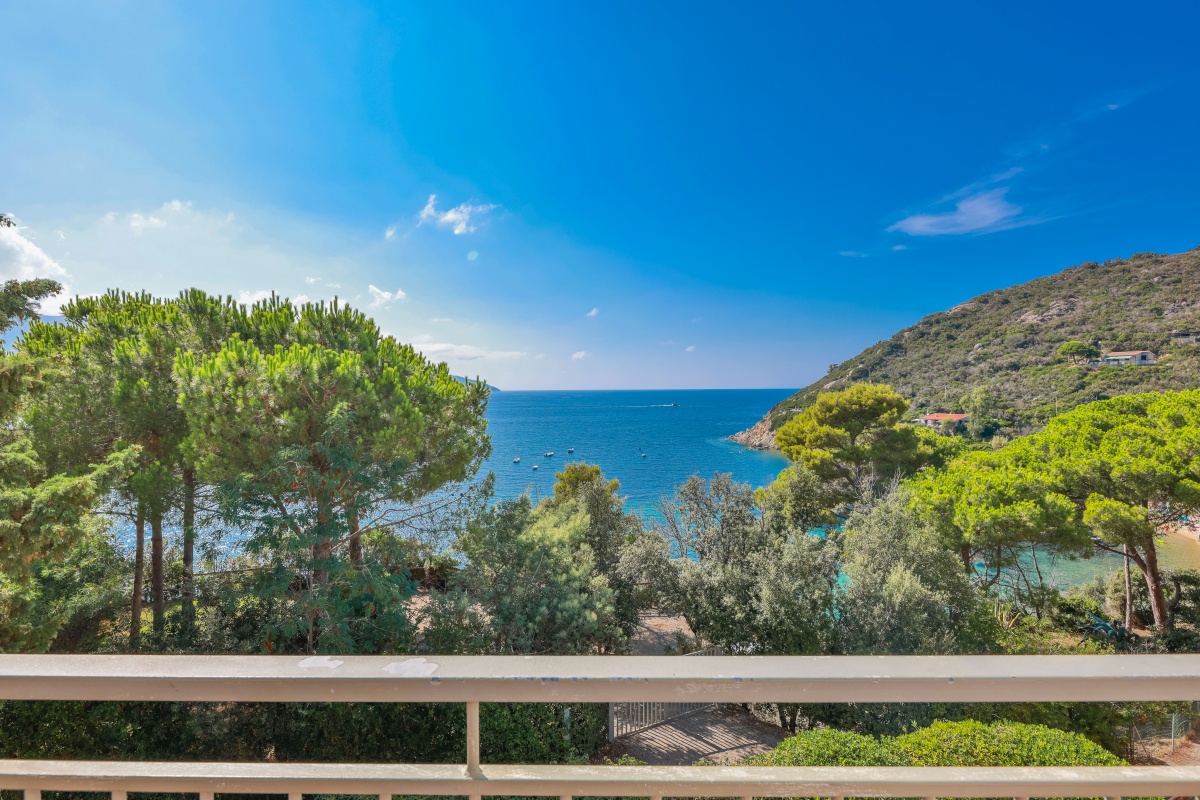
{"x": 940, "y": 420}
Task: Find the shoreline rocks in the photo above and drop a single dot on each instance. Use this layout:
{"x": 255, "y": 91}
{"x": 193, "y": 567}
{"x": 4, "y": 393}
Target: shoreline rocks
{"x": 760, "y": 436}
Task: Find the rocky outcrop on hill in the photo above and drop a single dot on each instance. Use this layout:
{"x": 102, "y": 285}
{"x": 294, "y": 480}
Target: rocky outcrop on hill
{"x": 760, "y": 437}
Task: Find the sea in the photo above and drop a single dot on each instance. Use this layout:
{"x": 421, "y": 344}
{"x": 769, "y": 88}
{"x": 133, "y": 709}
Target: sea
{"x": 651, "y": 440}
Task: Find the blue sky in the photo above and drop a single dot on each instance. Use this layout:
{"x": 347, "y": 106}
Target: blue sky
{"x": 603, "y": 195}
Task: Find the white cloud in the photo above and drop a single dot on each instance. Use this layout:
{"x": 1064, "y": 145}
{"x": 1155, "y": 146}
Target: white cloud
{"x": 441, "y": 319}
{"x": 853, "y": 254}
{"x": 462, "y": 352}
{"x": 458, "y": 219}
{"x": 898, "y": 247}
{"x": 301, "y": 299}
{"x": 471, "y": 256}
{"x": 140, "y": 222}
{"x": 381, "y": 298}
{"x": 981, "y": 212}
{"x": 594, "y": 312}
{"x": 250, "y": 298}
{"x": 22, "y": 260}
{"x": 691, "y": 348}
{"x": 202, "y": 247}
{"x": 579, "y": 355}
{"x": 390, "y": 233}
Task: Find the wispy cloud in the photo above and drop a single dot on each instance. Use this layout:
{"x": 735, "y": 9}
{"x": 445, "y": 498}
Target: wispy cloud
{"x": 985, "y": 205}
{"x": 21, "y": 259}
{"x": 390, "y": 233}
{"x": 139, "y": 222}
{"x": 441, "y": 319}
{"x": 311, "y": 281}
{"x": 249, "y": 298}
{"x": 691, "y": 348}
{"x": 458, "y": 219}
{"x": 463, "y": 352}
{"x": 853, "y": 254}
{"x": 981, "y": 212}
{"x": 899, "y": 247}
{"x": 380, "y": 298}
{"x": 595, "y": 312}
{"x": 579, "y": 355}
{"x": 471, "y": 256}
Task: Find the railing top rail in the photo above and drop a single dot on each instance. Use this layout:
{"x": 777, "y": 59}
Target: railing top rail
{"x": 730, "y": 679}
{"x": 449, "y": 779}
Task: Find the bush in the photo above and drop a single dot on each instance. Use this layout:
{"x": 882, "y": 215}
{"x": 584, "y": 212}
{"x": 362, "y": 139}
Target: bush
{"x": 942, "y": 744}
{"x": 1001, "y": 744}
{"x": 826, "y": 747}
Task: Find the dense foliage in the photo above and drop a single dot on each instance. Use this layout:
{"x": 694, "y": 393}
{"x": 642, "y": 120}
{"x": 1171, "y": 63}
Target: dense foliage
{"x": 943, "y": 744}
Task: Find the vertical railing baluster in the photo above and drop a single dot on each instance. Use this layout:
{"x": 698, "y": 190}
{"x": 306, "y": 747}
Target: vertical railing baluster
{"x": 206, "y": 795}
{"x": 473, "y": 740}
{"x": 119, "y": 794}
{"x": 295, "y": 796}
{"x": 33, "y": 794}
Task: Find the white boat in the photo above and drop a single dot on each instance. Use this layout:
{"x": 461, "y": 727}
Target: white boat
{"x": 517, "y": 460}
{"x": 643, "y": 455}
{"x": 535, "y": 466}
{"x": 550, "y": 454}
{"x": 570, "y": 449}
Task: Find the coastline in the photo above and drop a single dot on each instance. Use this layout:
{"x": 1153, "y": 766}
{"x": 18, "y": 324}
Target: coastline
{"x": 759, "y": 436}
{"x": 1181, "y": 547}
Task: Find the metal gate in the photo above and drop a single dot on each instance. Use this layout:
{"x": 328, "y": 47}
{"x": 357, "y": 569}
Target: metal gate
{"x": 626, "y": 718}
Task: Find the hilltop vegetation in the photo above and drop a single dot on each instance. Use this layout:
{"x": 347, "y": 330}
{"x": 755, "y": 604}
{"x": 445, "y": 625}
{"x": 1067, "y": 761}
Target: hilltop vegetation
{"x": 1003, "y": 346}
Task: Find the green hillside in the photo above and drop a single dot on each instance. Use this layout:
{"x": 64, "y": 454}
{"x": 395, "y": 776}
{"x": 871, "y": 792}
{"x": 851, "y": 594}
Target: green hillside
{"x": 1007, "y": 340}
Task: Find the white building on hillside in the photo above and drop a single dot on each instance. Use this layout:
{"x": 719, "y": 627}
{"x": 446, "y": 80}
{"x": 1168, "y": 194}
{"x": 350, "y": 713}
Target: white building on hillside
{"x": 1121, "y": 358}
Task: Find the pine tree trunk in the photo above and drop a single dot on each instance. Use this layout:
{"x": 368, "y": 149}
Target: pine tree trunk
{"x": 156, "y": 574}
{"x": 356, "y": 551}
{"x": 139, "y": 569}
{"x": 1128, "y": 592}
{"x": 188, "y": 612}
{"x": 1158, "y": 599}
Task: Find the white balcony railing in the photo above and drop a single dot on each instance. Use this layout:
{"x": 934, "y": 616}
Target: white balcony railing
{"x": 472, "y": 680}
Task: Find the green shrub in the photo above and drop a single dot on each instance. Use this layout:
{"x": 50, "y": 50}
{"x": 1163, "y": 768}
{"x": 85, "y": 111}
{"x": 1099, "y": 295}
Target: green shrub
{"x": 1001, "y": 744}
{"x": 942, "y": 744}
{"x": 826, "y": 747}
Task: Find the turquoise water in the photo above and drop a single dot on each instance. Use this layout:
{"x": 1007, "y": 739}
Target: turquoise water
{"x": 616, "y": 428}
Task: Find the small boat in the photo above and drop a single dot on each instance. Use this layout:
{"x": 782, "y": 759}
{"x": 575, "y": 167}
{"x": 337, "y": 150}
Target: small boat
{"x": 643, "y": 455}
{"x": 550, "y": 454}
{"x": 675, "y": 405}
{"x": 570, "y": 449}
{"x": 535, "y": 466}
{"x": 517, "y": 460}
